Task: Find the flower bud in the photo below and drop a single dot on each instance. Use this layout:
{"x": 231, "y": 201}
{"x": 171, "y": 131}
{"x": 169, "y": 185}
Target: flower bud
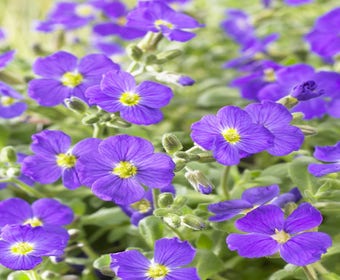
{"x": 162, "y": 212}
{"x": 171, "y": 143}
{"x": 173, "y": 220}
{"x": 76, "y": 105}
{"x": 165, "y": 199}
{"x": 168, "y": 55}
{"x": 180, "y": 164}
{"x": 307, "y": 90}
{"x": 198, "y": 180}
{"x": 288, "y": 101}
{"x": 185, "y": 81}
{"x": 307, "y": 130}
{"x": 182, "y": 155}
{"x": 297, "y": 116}
{"x": 134, "y": 52}
{"x": 49, "y": 275}
{"x": 90, "y": 119}
{"x": 179, "y": 202}
{"x": 13, "y": 172}
{"x": 193, "y": 222}
{"x": 8, "y": 154}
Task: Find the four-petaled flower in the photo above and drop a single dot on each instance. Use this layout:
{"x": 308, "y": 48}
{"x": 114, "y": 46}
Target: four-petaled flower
{"x": 169, "y": 258}
{"x": 268, "y": 232}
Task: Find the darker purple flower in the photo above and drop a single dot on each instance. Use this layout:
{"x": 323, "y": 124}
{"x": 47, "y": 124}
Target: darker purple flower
{"x": 22, "y": 247}
{"x": 121, "y": 165}
{"x": 250, "y": 200}
{"x": 185, "y": 81}
{"x": 276, "y": 118}
{"x": 294, "y": 195}
{"x": 63, "y": 76}
{"x": 140, "y": 104}
{"x": 6, "y": 58}
{"x": 324, "y": 38}
{"x": 156, "y": 16}
{"x": 306, "y": 90}
{"x": 268, "y": 232}
{"x": 46, "y": 212}
{"x": 11, "y": 105}
{"x": 329, "y": 154}
{"x": 231, "y": 135}
{"x": 54, "y": 158}
{"x": 169, "y": 258}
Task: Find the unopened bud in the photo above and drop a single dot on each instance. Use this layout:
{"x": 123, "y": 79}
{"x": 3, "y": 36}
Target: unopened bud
{"x": 119, "y": 123}
{"x": 13, "y": 172}
{"x": 307, "y": 130}
{"x": 134, "y": 52}
{"x": 289, "y": 208}
{"x": 180, "y": 164}
{"x": 168, "y": 55}
{"x": 288, "y": 101}
{"x": 49, "y": 275}
{"x": 193, "y": 222}
{"x": 206, "y": 157}
{"x": 297, "y": 116}
{"x": 162, "y": 212}
{"x": 90, "y": 119}
{"x": 173, "y": 220}
{"x": 198, "y": 180}
{"x": 182, "y": 155}
{"x": 179, "y": 202}
{"x": 171, "y": 143}
{"x": 165, "y": 199}
{"x": 8, "y": 154}
{"x": 76, "y": 105}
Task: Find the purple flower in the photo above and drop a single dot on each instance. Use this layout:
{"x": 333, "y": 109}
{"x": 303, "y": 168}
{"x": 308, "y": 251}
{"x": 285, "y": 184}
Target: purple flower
{"x": 6, "y": 58}
{"x": 251, "y": 199}
{"x": 68, "y": 16}
{"x": 121, "y": 165}
{"x": 116, "y": 12}
{"x": 276, "y": 118}
{"x": 63, "y": 76}
{"x": 169, "y": 258}
{"x": 268, "y": 232}
{"x": 46, "y": 212}
{"x": 156, "y": 16}
{"x": 324, "y": 39}
{"x": 10, "y": 102}
{"x": 267, "y": 3}
{"x": 294, "y": 195}
{"x": 144, "y": 207}
{"x": 329, "y": 154}
{"x": 230, "y": 135}
{"x": 306, "y": 91}
{"x": 22, "y": 247}
{"x": 54, "y": 158}
{"x": 140, "y": 104}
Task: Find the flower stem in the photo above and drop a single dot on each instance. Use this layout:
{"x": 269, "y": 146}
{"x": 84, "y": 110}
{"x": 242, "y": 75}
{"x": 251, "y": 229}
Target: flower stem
{"x": 224, "y": 182}
{"x": 309, "y": 273}
{"x": 155, "y": 193}
{"x": 176, "y": 232}
{"x": 33, "y": 275}
{"x": 96, "y": 131}
{"x": 27, "y": 189}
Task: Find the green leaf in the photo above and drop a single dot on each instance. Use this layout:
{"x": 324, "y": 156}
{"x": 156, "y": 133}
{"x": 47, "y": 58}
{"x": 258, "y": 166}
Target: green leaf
{"x": 207, "y": 263}
{"x": 103, "y": 265}
{"x": 20, "y": 275}
{"x": 330, "y": 276}
{"x": 106, "y": 217}
{"x": 288, "y": 271}
{"x": 151, "y": 229}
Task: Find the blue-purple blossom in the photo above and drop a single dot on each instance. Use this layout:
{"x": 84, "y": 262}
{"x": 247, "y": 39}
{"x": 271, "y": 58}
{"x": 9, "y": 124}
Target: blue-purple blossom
{"x": 46, "y": 212}
{"x": 267, "y": 3}
{"x": 11, "y": 104}
{"x": 231, "y": 135}
{"x": 22, "y": 246}
{"x": 6, "y": 58}
{"x": 328, "y": 154}
{"x": 276, "y": 118}
{"x": 63, "y": 75}
{"x": 294, "y": 195}
{"x": 250, "y": 200}
{"x": 54, "y": 158}
{"x": 268, "y": 232}
{"x": 156, "y": 16}
{"x": 138, "y": 104}
{"x": 169, "y": 258}
{"x": 324, "y": 38}
{"x": 121, "y": 166}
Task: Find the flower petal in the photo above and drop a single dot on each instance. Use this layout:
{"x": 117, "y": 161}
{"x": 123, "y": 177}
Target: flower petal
{"x": 183, "y": 273}
{"x": 205, "y": 131}
{"x": 141, "y": 115}
{"x": 70, "y": 178}
{"x": 154, "y": 95}
{"x": 319, "y": 169}
{"x": 14, "y": 211}
{"x": 226, "y": 210}
{"x": 328, "y": 153}
{"x": 261, "y": 195}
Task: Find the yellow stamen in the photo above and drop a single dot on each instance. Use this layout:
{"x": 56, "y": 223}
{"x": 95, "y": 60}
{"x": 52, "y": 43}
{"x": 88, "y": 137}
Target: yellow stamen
{"x": 22, "y": 248}
{"x": 281, "y": 236}
{"x": 160, "y": 22}
{"x": 34, "y": 222}
{"x": 129, "y": 98}
{"x": 125, "y": 169}
{"x": 142, "y": 206}
{"x": 84, "y": 10}
{"x": 121, "y": 21}
{"x": 7, "y": 100}
{"x": 269, "y": 75}
{"x": 66, "y": 160}
{"x": 157, "y": 271}
{"x": 231, "y": 135}
{"x": 70, "y": 79}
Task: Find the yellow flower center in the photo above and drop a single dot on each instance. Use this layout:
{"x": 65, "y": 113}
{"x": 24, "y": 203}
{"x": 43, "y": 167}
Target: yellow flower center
{"x": 66, "y": 160}
{"x": 142, "y": 206}
{"x": 70, "y": 79}
{"x": 129, "y": 98}
{"x": 157, "y": 271}
{"x": 160, "y": 22}
{"x": 34, "y": 222}
{"x": 231, "y": 135}
{"x": 121, "y": 21}
{"x": 269, "y": 75}
{"x": 281, "y": 236}
{"x": 7, "y": 100}
{"x": 22, "y": 248}
{"x": 84, "y": 10}
{"x": 125, "y": 169}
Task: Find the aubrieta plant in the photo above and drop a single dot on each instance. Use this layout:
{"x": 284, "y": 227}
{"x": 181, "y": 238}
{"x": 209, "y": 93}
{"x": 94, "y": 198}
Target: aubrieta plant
{"x": 169, "y": 140}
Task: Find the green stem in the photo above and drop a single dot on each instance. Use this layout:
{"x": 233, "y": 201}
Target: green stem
{"x": 88, "y": 250}
{"x": 320, "y": 268}
{"x": 309, "y": 273}
{"x": 33, "y": 275}
{"x": 224, "y": 182}
{"x": 193, "y": 149}
{"x": 27, "y": 189}
{"x": 155, "y": 193}
{"x": 176, "y": 232}
{"x": 97, "y": 130}
{"x": 132, "y": 66}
